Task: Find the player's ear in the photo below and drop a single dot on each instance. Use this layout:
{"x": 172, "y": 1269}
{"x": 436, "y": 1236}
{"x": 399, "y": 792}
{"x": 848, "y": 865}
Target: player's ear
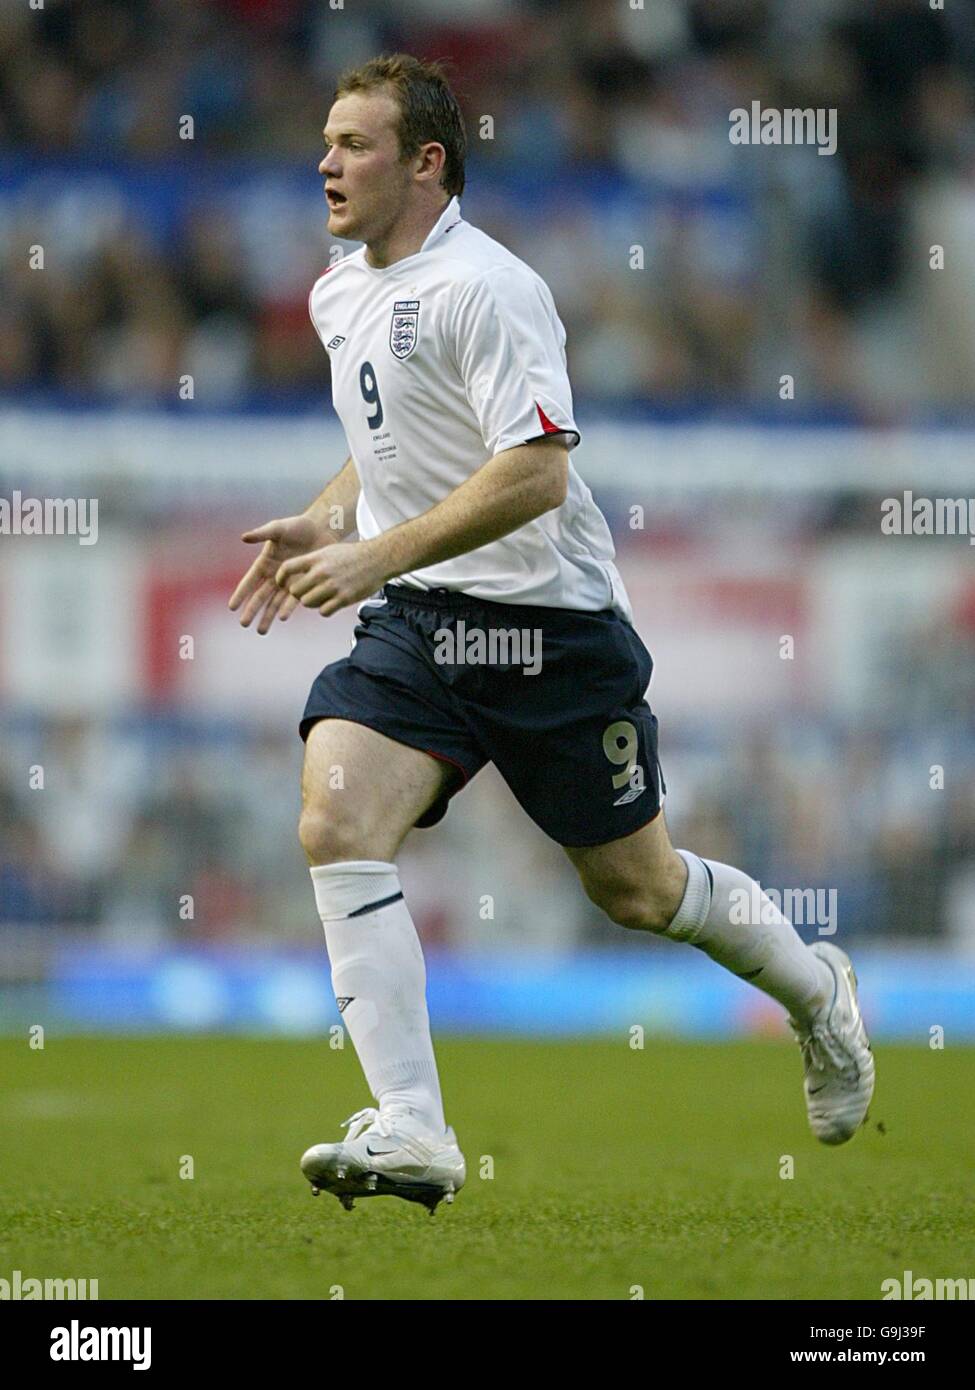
{"x": 431, "y": 160}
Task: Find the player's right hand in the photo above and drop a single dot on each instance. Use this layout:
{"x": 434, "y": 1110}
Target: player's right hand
{"x": 283, "y": 540}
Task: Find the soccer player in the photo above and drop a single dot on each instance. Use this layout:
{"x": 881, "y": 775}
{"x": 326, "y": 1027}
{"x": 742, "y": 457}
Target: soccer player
{"x": 475, "y": 534}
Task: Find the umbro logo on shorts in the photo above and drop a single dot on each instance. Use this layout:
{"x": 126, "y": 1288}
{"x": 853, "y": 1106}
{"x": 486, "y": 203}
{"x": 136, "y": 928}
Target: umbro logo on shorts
{"x": 336, "y": 342}
{"x": 629, "y": 796}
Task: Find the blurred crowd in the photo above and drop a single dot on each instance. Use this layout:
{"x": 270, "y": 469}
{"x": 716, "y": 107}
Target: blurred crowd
{"x": 145, "y": 833}
{"x": 166, "y": 257}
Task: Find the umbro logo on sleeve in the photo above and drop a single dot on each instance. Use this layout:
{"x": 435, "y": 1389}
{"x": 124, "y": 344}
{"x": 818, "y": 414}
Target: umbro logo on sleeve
{"x": 335, "y": 343}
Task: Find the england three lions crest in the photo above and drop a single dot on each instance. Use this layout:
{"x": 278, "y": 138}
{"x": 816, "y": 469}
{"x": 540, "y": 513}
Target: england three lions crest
{"x": 403, "y": 328}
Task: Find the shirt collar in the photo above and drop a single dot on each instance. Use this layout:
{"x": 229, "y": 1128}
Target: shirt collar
{"x": 447, "y": 219}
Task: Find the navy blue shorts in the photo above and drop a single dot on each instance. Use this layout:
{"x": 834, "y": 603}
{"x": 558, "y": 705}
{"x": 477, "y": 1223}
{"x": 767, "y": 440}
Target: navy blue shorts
{"x": 552, "y": 696}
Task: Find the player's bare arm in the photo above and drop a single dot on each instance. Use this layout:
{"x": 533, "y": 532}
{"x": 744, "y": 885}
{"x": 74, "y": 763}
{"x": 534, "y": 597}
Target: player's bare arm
{"x": 328, "y": 519}
{"x": 510, "y": 490}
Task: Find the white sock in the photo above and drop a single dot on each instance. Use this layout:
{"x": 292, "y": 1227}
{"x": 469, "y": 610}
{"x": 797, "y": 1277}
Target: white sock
{"x": 770, "y": 953}
{"x": 380, "y": 983}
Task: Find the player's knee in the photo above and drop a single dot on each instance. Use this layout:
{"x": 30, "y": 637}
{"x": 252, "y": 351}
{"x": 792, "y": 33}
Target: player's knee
{"x": 643, "y": 911}
{"x": 626, "y": 905}
{"x": 646, "y": 905}
{"x": 328, "y": 835}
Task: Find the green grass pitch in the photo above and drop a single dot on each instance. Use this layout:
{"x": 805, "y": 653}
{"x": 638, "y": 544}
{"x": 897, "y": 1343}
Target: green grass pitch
{"x": 612, "y": 1168}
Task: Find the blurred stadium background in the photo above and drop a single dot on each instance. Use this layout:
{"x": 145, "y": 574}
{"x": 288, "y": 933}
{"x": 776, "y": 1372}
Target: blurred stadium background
{"x": 740, "y": 517}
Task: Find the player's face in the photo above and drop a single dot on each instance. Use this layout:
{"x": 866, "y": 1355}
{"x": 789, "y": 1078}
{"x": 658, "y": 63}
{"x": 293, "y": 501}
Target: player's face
{"x": 366, "y": 182}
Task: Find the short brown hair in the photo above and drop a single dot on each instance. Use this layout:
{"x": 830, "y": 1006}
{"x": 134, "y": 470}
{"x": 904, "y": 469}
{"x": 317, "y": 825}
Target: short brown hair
{"x": 428, "y": 108}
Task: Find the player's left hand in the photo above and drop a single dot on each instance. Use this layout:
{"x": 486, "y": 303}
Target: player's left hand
{"x": 335, "y": 576}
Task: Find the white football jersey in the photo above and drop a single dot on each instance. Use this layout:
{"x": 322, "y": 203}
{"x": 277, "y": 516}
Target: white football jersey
{"x": 439, "y": 362}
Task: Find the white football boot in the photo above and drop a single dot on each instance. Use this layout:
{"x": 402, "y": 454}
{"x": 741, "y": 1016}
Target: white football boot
{"x": 836, "y": 1055}
{"x": 388, "y": 1154}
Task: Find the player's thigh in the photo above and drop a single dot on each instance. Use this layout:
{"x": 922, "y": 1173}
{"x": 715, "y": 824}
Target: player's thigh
{"x": 361, "y": 792}
{"x": 638, "y": 879}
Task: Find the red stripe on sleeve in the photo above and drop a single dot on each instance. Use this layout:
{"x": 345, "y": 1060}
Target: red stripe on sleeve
{"x": 547, "y": 425}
